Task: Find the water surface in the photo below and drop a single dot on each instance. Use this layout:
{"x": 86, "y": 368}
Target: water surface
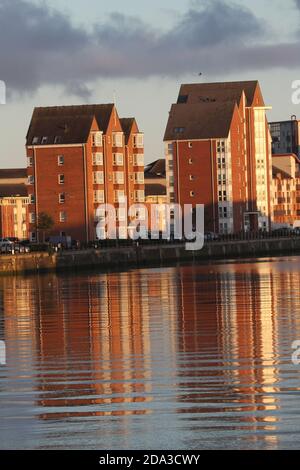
{"x": 194, "y": 357}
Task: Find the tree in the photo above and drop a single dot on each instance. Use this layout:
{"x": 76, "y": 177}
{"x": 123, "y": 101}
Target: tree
{"x": 44, "y": 223}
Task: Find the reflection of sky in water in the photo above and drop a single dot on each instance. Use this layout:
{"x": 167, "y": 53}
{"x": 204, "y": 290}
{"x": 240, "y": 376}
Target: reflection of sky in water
{"x": 191, "y": 357}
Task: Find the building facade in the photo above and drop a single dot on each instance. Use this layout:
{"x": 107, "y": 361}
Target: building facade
{"x": 156, "y": 194}
{"x": 285, "y": 136}
{"x": 78, "y": 158}
{"x": 286, "y": 191}
{"x": 218, "y": 153}
{"x": 13, "y": 203}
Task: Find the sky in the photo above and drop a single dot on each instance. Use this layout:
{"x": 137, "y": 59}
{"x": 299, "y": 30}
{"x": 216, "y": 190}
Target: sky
{"x": 56, "y": 52}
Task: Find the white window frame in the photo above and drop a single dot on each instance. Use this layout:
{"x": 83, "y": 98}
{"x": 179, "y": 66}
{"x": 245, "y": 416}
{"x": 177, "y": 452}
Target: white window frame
{"x": 61, "y": 179}
{"x": 139, "y": 195}
{"x": 62, "y": 216}
{"x": 119, "y": 177}
{"x": 97, "y": 139}
{"x": 139, "y": 177}
{"x": 97, "y": 159}
{"x": 62, "y": 198}
{"x": 117, "y": 139}
{"x": 30, "y": 179}
{"x": 138, "y": 140}
{"x": 118, "y": 159}
{"x": 119, "y": 195}
{"x": 138, "y": 159}
{"x": 98, "y": 196}
{"x": 60, "y": 160}
{"x": 98, "y": 177}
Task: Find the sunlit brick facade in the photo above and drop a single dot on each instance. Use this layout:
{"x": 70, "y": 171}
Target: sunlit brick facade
{"x": 218, "y": 153}
{"x": 13, "y": 203}
{"x": 80, "y": 157}
{"x": 286, "y": 191}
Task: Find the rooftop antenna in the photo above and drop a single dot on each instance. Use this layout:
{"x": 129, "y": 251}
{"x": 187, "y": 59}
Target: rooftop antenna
{"x": 115, "y": 98}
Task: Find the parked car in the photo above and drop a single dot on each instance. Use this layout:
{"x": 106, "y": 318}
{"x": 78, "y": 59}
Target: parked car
{"x": 21, "y": 247}
{"x": 6, "y": 246}
{"x": 283, "y": 231}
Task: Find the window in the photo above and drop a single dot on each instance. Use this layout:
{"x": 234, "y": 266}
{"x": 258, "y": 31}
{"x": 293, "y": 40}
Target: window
{"x": 30, "y": 179}
{"x": 190, "y": 161}
{"x": 192, "y": 177}
{"x": 44, "y": 140}
{"x": 98, "y": 177}
{"x": 138, "y": 140}
{"x": 29, "y": 161}
{"x": 35, "y": 140}
{"x": 60, "y": 160}
{"x": 118, "y": 159}
{"x": 57, "y": 139}
{"x": 141, "y": 213}
{"x": 139, "y": 177}
{"x": 62, "y": 198}
{"x": 139, "y": 159}
{"x": 99, "y": 196}
{"x": 120, "y": 195}
{"x": 97, "y": 158}
{"x": 97, "y": 139}
{"x": 31, "y": 199}
{"x": 61, "y": 179}
{"x": 190, "y": 145}
{"x": 32, "y": 236}
{"x": 178, "y": 130}
{"x": 121, "y": 214}
{"x": 119, "y": 177}
{"x": 117, "y": 139}
{"x": 62, "y": 216}
{"x": 192, "y": 194}
{"x": 32, "y": 217}
{"x": 139, "y": 195}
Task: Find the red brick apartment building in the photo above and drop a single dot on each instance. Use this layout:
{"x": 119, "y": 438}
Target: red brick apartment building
{"x": 13, "y": 203}
{"x": 286, "y": 190}
{"x": 79, "y": 157}
{"x": 218, "y": 153}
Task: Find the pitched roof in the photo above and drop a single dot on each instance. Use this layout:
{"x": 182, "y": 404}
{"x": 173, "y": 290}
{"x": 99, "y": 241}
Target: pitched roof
{"x": 127, "y": 124}
{"x": 11, "y": 190}
{"x": 71, "y": 124}
{"x": 199, "y": 121}
{"x": 156, "y": 169}
{"x": 219, "y": 91}
{"x": 13, "y": 173}
{"x": 283, "y": 174}
{"x": 152, "y": 189}
{"x": 280, "y": 155}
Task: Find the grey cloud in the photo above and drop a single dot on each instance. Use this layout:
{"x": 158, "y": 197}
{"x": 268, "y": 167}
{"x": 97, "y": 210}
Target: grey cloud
{"x": 40, "y": 46}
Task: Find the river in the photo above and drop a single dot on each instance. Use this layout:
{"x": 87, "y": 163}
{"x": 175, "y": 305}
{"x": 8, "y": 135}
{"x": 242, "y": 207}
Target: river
{"x": 188, "y": 357}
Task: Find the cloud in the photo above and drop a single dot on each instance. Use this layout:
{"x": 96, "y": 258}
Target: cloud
{"x": 40, "y": 46}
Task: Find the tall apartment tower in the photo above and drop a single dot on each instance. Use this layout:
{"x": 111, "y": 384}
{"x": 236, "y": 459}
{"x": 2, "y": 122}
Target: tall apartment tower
{"x": 285, "y": 136}
{"x": 218, "y": 153}
{"x": 79, "y": 157}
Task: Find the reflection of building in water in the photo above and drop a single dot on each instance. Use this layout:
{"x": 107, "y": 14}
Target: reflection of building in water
{"x": 230, "y": 329}
{"x": 19, "y": 303}
{"x": 93, "y": 340}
